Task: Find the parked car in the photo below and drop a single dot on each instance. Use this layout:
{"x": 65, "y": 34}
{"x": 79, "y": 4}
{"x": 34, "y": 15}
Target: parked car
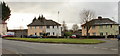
{"x": 73, "y": 36}
{"x": 34, "y": 36}
{"x": 8, "y": 35}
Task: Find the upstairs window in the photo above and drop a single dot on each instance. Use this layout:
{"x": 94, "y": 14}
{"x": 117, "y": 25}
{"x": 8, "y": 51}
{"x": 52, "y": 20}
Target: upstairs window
{"x": 106, "y": 26}
{"x": 106, "y": 33}
{"x": 35, "y": 27}
{"x": 101, "y": 26}
{"x": 41, "y": 27}
{"x": 48, "y": 26}
{"x": 84, "y": 27}
{"x": 30, "y": 27}
{"x": 57, "y": 26}
{"x": 53, "y": 26}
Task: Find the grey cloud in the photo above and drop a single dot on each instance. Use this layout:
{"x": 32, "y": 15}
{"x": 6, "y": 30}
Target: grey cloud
{"x": 69, "y": 11}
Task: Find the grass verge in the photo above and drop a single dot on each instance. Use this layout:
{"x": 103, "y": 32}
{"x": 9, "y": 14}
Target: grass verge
{"x": 58, "y": 40}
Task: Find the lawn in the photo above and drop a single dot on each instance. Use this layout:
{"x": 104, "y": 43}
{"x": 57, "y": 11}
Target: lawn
{"x": 59, "y": 40}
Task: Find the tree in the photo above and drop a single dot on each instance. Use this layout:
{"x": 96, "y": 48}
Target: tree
{"x": 64, "y": 26}
{"x": 5, "y": 11}
{"x": 34, "y": 19}
{"x": 75, "y": 27}
{"x": 86, "y": 16}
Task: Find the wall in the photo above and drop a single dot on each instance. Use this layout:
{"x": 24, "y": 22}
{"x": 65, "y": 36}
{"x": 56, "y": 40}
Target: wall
{"x": 91, "y": 31}
{"x": 32, "y": 31}
{"x": 3, "y": 29}
{"x": 110, "y": 31}
{"x": 57, "y": 31}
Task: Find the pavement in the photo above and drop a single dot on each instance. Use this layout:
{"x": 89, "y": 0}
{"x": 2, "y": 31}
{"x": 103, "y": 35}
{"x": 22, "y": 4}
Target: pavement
{"x": 19, "y": 47}
{"x": 4, "y": 51}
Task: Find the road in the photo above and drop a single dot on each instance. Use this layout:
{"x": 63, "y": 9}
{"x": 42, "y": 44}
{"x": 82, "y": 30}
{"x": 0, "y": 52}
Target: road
{"x": 19, "y": 47}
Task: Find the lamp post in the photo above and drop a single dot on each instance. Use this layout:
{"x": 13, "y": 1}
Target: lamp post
{"x": 21, "y": 29}
{"x": 58, "y": 26}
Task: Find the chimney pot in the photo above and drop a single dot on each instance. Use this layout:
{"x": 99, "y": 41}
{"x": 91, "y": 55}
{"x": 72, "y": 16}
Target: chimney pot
{"x": 99, "y": 17}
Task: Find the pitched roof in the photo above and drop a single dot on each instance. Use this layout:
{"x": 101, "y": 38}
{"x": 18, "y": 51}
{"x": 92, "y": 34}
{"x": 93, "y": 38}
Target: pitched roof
{"x": 43, "y": 22}
{"x": 101, "y": 21}
{"x": 12, "y": 30}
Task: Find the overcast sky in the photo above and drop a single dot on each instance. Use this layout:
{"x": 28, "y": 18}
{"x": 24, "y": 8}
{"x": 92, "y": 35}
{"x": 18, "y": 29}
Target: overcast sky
{"x": 22, "y": 12}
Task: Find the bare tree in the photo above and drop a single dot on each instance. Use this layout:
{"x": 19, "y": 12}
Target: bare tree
{"x": 64, "y": 26}
{"x": 75, "y": 27}
{"x": 86, "y": 16}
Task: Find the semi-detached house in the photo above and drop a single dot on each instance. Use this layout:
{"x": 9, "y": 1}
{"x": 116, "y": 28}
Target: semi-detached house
{"x": 101, "y": 27}
{"x": 43, "y": 26}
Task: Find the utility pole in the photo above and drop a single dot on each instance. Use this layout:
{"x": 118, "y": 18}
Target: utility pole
{"x": 21, "y": 29}
{"x": 58, "y": 26}
{"x": 58, "y": 16}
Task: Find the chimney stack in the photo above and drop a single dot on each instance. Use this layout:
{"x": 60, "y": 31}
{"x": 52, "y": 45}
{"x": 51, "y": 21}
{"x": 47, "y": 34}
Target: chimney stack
{"x": 99, "y": 17}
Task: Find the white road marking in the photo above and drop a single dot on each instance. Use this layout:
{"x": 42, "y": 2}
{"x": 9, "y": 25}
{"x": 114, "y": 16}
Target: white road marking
{"x": 57, "y": 44}
{"x": 114, "y": 49}
{"x": 95, "y": 47}
{"x": 104, "y": 48}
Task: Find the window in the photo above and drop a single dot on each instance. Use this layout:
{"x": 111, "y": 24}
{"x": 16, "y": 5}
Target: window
{"x": 40, "y": 33}
{"x": 41, "y": 27}
{"x": 57, "y": 26}
{"x": 111, "y": 26}
{"x": 106, "y": 33}
{"x": 101, "y": 27}
{"x": 101, "y": 34}
{"x": 88, "y": 34}
{"x": 106, "y": 25}
{"x": 94, "y": 33}
{"x": 53, "y": 26}
{"x": 35, "y": 33}
{"x": 93, "y": 27}
{"x": 35, "y": 27}
{"x": 30, "y": 27}
{"x": 84, "y": 27}
{"x": 53, "y": 33}
{"x": 48, "y": 33}
{"x": 48, "y": 26}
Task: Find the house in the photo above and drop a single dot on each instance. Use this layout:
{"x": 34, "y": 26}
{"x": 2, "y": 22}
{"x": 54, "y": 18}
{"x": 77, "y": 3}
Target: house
{"x": 42, "y": 26}
{"x": 3, "y": 27}
{"x": 19, "y": 32}
{"x": 101, "y": 27}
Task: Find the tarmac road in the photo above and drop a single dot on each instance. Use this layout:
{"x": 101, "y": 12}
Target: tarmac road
{"x": 20, "y": 47}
